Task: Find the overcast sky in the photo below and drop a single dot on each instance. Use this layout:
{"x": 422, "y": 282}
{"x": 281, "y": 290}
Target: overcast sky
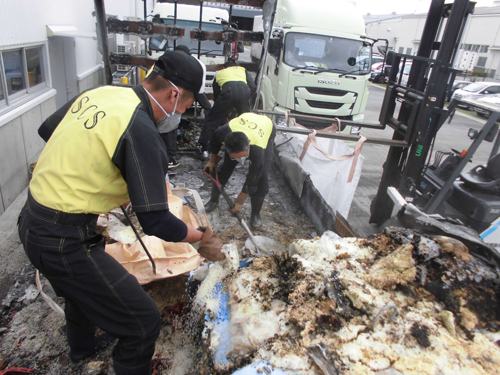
{"x": 402, "y": 6}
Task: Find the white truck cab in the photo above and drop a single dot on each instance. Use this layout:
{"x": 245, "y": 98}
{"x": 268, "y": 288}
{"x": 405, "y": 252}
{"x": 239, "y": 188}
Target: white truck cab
{"x": 318, "y": 62}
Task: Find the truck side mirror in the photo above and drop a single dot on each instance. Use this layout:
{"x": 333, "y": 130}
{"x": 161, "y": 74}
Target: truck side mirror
{"x": 274, "y": 46}
{"x": 390, "y": 58}
{"x": 382, "y": 50}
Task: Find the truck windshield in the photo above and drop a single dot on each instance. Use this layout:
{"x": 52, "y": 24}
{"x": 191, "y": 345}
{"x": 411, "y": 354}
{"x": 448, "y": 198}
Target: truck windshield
{"x": 323, "y": 52}
{"x": 209, "y": 47}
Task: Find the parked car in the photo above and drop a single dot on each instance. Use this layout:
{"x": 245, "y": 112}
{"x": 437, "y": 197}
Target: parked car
{"x": 379, "y": 76}
{"x": 375, "y": 59}
{"x": 477, "y": 90}
{"x": 491, "y": 101}
{"x": 457, "y": 85}
{"x": 376, "y": 71}
{"x": 406, "y": 73}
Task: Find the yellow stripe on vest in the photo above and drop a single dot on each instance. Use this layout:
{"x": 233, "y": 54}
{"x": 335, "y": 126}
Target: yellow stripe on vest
{"x": 75, "y": 172}
{"x": 231, "y": 74}
{"x": 257, "y": 128}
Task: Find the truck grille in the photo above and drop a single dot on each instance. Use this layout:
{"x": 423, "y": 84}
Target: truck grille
{"x": 323, "y": 105}
{"x": 315, "y": 124}
{"x": 323, "y": 91}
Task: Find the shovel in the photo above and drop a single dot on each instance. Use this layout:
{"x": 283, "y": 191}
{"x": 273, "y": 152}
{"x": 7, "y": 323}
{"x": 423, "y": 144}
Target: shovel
{"x": 237, "y": 214}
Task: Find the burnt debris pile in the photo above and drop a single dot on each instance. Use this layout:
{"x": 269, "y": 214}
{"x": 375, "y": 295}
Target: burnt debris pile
{"x": 465, "y": 284}
{"x": 401, "y": 301}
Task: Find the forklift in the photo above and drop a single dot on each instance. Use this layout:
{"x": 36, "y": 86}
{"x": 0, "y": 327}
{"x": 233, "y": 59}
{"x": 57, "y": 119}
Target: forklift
{"x": 473, "y": 197}
{"x": 467, "y": 202}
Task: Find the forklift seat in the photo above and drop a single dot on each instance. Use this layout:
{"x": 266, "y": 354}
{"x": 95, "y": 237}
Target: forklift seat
{"x": 484, "y": 179}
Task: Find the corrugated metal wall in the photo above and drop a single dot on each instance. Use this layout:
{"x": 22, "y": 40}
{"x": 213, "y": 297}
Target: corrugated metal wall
{"x": 21, "y": 22}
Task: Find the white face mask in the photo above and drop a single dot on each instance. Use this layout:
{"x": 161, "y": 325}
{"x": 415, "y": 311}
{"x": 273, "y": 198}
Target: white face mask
{"x": 170, "y": 123}
{"x": 171, "y": 120}
{"x": 242, "y": 159}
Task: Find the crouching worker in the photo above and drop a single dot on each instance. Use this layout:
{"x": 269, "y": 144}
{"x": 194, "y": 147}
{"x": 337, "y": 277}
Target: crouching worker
{"x": 233, "y": 89}
{"x": 251, "y": 137}
{"x": 104, "y": 148}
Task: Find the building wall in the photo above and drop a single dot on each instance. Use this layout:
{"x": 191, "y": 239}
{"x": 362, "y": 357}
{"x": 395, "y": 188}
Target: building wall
{"x": 24, "y": 22}
{"x": 91, "y": 80}
{"x": 402, "y": 32}
{"x": 20, "y": 146}
{"x": 405, "y": 31}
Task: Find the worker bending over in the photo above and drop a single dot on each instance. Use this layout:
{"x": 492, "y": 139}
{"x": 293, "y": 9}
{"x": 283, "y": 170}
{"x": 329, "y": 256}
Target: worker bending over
{"x": 233, "y": 89}
{"x": 251, "y": 137}
{"x": 104, "y": 148}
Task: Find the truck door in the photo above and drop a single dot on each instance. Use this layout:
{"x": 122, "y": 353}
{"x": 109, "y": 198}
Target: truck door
{"x": 271, "y": 73}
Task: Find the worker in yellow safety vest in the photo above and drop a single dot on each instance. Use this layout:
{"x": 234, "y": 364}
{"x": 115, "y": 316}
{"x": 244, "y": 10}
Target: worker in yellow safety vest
{"x": 233, "y": 89}
{"x": 250, "y": 136}
{"x": 103, "y": 149}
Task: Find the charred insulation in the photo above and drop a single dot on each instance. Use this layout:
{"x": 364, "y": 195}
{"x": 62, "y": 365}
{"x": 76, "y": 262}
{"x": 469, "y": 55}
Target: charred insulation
{"x": 287, "y": 267}
{"x": 421, "y": 334}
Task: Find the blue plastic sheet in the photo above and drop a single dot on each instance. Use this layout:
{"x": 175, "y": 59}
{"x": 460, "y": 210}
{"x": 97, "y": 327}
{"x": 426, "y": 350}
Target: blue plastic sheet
{"x": 220, "y": 324}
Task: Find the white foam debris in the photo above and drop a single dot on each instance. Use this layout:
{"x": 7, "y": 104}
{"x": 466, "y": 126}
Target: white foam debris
{"x": 493, "y": 336}
{"x": 206, "y": 297}
{"x": 119, "y": 231}
{"x": 281, "y": 332}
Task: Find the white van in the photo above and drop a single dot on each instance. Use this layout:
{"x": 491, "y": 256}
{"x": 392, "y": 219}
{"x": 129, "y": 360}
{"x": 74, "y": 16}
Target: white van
{"x": 188, "y": 18}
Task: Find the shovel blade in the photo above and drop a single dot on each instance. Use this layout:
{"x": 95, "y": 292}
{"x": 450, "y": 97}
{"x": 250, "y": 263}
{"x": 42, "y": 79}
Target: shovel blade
{"x": 266, "y": 245}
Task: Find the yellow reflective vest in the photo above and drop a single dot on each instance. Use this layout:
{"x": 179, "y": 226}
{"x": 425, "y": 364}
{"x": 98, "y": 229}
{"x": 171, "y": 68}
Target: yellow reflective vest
{"x": 105, "y": 136}
{"x": 257, "y": 128}
{"x": 231, "y": 74}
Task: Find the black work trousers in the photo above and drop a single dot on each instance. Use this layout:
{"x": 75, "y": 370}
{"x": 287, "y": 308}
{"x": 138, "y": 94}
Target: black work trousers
{"x": 98, "y": 291}
{"x": 234, "y": 96}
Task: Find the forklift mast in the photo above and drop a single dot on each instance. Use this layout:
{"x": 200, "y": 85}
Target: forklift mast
{"x": 422, "y": 99}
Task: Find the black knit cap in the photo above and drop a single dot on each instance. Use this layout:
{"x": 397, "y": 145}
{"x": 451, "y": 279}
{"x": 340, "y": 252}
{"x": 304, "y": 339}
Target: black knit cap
{"x": 184, "y": 71}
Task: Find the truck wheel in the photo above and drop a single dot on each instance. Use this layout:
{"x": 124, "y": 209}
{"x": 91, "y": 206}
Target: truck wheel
{"x": 380, "y": 79}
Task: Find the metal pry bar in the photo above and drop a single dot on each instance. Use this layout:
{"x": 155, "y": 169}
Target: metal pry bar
{"x": 140, "y": 240}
